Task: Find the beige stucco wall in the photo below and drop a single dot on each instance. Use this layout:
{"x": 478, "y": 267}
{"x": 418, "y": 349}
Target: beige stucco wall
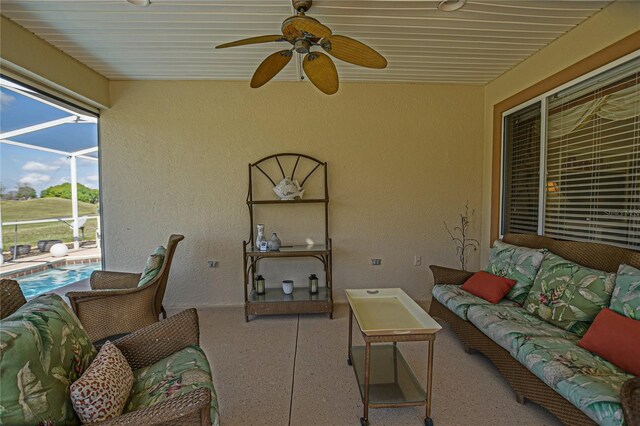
{"x": 402, "y": 158}
{"x": 619, "y": 20}
{"x": 23, "y": 52}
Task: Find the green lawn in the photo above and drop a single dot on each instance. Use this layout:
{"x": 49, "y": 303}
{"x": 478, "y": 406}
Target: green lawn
{"x": 43, "y": 208}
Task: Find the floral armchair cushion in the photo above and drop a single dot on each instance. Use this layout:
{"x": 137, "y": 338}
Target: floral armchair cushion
{"x": 43, "y": 349}
{"x": 459, "y": 301}
{"x": 510, "y": 327}
{"x": 176, "y": 375}
{"x": 569, "y": 295}
{"x": 586, "y": 380}
{"x": 517, "y": 263}
{"x": 626, "y": 294}
{"x": 154, "y": 264}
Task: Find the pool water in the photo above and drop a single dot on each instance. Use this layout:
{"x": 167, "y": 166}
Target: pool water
{"x": 45, "y": 281}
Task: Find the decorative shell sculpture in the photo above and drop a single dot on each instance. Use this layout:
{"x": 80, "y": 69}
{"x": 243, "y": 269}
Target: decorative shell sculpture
{"x": 288, "y": 189}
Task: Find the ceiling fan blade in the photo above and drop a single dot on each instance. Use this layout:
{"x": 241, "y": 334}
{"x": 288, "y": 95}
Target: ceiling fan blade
{"x": 321, "y": 71}
{"x": 293, "y": 27}
{"x": 252, "y": 40}
{"x": 270, "y": 67}
{"x": 353, "y": 51}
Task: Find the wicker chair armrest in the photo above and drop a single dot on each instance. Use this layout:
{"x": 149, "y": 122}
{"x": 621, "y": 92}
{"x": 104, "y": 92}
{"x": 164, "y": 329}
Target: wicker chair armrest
{"x": 104, "y": 313}
{"x": 630, "y": 396}
{"x": 184, "y": 409}
{"x": 103, "y": 280}
{"x": 442, "y": 275}
{"x": 11, "y": 297}
{"x": 157, "y": 341}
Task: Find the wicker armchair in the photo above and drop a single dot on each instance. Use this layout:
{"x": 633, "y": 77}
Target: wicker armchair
{"x": 116, "y": 305}
{"x": 148, "y": 346}
{"x": 11, "y": 297}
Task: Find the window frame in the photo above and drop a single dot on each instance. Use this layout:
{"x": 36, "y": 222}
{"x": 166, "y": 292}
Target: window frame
{"x": 543, "y": 100}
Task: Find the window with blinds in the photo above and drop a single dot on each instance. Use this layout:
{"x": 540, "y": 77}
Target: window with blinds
{"x": 593, "y": 160}
{"x": 590, "y": 166}
{"x": 521, "y": 171}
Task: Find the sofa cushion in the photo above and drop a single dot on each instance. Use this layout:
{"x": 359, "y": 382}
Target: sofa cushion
{"x": 569, "y": 295}
{"x": 586, "y": 380}
{"x": 102, "y": 391}
{"x": 43, "y": 349}
{"x": 511, "y": 326}
{"x": 459, "y": 301}
{"x": 615, "y": 338}
{"x": 626, "y": 294}
{"x": 153, "y": 266}
{"x": 176, "y": 375}
{"x": 489, "y": 287}
{"x": 517, "y": 263}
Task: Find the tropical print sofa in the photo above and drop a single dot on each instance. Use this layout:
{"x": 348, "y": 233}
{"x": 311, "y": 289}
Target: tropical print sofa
{"x": 532, "y": 334}
{"x": 44, "y": 349}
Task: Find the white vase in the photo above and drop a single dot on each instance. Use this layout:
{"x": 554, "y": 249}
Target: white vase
{"x": 260, "y": 238}
{"x": 274, "y": 242}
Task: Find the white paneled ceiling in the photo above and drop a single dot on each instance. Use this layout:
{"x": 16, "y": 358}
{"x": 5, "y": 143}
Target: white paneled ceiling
{"x": 175, "y": 39}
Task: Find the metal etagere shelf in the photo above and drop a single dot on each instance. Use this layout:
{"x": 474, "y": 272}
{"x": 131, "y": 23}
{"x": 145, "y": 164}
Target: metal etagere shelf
{"x": 274, "y": 301}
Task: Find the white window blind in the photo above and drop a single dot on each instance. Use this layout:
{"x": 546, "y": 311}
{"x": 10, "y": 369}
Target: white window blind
{"x": 521, "y": 171}
{"x": 593, "y": 160}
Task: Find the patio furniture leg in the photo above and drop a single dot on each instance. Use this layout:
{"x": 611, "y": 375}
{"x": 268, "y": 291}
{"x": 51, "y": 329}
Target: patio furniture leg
{"x": 428, "y": 421}
{"x": 367, "y": 375}
{"x": 350, "y": 336}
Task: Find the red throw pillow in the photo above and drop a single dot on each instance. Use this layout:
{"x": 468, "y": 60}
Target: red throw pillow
{"x": 491, "y": 288}
{"x": 615, "y": 338}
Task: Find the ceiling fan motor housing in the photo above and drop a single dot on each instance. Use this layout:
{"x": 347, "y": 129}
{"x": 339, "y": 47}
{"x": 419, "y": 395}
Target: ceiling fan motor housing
{"x": 301, "y": 5}
{"x": 302, "y": 46}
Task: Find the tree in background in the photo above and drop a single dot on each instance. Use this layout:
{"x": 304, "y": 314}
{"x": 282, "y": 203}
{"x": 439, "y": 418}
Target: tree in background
{"x": 25, "y": 192}
{"x": 63, "y": 190}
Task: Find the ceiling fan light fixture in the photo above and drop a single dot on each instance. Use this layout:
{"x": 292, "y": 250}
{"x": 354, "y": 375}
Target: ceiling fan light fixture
{"x": 140, "y": 3}
{"x": 451, "y": 5}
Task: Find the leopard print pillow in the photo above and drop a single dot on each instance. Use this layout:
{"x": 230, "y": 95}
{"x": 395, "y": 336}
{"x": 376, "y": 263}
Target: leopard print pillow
{"x": 102, "y": 391}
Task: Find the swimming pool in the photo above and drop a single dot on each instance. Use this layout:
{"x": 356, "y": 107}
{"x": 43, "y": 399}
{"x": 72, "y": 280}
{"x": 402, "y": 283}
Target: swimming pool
{"x": 43, "y": 282}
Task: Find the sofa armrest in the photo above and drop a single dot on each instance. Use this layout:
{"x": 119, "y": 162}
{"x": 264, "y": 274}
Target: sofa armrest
{"x": 157, "y": 341}
{"x": 191, "y": 408}
{"x": 103, "y": 280}
{"x": 104, "y": 313}
{"x": 442, "y": 275}
{"x": 630, "y": 396}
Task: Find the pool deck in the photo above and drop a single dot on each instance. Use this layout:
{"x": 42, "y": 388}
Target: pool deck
{"x": 10, "y": 268}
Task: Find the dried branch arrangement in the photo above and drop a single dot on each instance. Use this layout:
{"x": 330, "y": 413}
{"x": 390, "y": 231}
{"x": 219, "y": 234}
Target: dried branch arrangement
{"x": 461, "y": 240}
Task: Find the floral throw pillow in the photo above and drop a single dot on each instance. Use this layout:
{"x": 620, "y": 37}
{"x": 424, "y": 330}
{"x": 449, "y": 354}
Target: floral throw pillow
{"x": 516, "y": 263}
{"x": 569, "y": 295}
{"x": 626, "y": 294}
{"x": 43, "y": 349}
{"x": 102, "y": 391}
{"x": 154, "y": 264}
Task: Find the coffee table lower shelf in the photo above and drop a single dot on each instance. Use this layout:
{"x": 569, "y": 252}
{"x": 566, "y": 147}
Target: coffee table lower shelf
{"x": 392, "y": 382}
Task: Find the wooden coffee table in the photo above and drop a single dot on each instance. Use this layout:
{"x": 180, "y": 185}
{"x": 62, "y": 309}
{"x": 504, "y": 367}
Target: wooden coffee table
{"x": 384, "y": 377}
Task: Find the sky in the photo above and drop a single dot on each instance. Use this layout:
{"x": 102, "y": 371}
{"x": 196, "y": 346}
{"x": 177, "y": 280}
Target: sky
{"x": 40, "y": 169}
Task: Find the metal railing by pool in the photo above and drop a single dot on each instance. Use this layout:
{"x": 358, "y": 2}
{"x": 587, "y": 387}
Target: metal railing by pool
{"x": 69, "y": 221}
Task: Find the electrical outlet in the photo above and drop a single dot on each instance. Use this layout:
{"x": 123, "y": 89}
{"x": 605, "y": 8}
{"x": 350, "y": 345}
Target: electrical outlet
{"x": 212, "y": 263}
{"x": 376, "y": 262}
{"x": 417, "y": 260}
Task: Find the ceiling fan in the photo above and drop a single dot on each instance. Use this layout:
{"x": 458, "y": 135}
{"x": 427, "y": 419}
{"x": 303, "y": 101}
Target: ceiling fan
{"x": 304, "y": 32}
